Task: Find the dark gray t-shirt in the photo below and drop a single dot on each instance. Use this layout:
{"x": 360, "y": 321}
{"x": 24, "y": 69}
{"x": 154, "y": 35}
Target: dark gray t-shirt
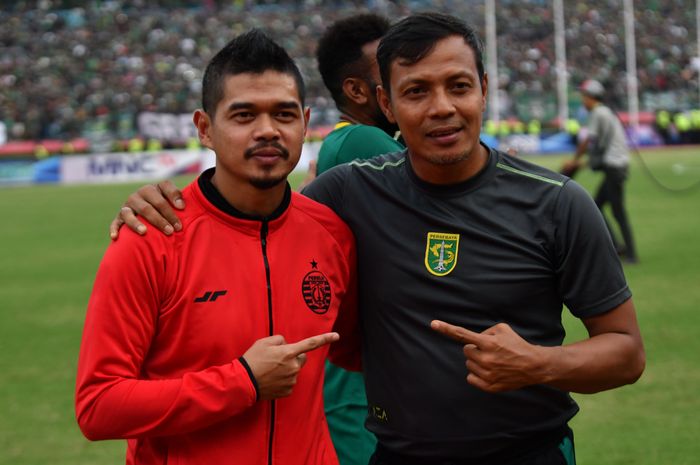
{"x": 511, "y": 244}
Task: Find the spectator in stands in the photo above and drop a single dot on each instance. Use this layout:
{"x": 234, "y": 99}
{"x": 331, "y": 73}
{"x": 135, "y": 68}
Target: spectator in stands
{"x": 59, "y": 63}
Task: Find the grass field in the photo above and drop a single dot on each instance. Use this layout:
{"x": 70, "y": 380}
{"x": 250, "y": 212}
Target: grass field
{"x": 53, "y": 238}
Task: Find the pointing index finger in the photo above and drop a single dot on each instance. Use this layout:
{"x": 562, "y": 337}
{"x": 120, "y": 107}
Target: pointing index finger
{"x": 311, "y": 343}
{"x": 457, "y": 333}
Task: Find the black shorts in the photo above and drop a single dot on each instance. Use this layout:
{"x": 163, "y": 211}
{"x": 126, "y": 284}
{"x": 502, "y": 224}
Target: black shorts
{"x": 551, "y": 453}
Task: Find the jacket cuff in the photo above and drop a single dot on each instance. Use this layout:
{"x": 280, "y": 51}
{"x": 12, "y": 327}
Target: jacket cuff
{"x": 252, "y": 377}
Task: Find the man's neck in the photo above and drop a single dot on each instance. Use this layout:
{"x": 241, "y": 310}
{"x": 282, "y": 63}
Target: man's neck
{"x": 247, "y": 198}
{"x": 354, "y": 116}
{"x": 455, "y": 173}
{"x": 593, "y": 105}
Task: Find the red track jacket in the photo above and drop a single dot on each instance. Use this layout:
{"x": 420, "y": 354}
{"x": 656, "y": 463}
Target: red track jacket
{"x": 169, "y": 318}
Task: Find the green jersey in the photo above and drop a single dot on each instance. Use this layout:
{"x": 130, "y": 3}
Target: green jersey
{"x": 348, "y": 142}
{"x": 344, "y": 391}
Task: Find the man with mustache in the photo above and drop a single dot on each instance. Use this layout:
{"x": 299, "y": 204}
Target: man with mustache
{"x": 484, "y": 248}
{"x": 208, "y": 346}
{"x": 460, "y": 240}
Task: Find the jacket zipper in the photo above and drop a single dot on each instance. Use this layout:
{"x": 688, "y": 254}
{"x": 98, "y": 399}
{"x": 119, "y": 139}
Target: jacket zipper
{"x": 263, "y": 242}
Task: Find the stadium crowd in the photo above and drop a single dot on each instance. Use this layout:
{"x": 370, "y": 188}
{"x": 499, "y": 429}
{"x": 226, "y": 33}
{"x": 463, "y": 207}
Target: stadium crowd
{"x": 67, "y": 66}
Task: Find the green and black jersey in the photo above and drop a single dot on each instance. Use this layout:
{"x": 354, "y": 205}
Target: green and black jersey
{"x": 512, "y": 244}
{"x": 344, "y": 391}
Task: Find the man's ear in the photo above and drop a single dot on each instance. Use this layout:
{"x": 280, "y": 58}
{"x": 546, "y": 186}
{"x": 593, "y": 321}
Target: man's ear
{"x": 307, "y": 118}
{"x": 385, "y": 104}
{"x": 203, "y": 124}
{"x": 484, "y": 90}
{"x": 356, "y": 90}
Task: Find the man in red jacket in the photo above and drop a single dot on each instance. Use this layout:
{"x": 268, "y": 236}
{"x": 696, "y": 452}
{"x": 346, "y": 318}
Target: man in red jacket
{"x": 208, "y": 346}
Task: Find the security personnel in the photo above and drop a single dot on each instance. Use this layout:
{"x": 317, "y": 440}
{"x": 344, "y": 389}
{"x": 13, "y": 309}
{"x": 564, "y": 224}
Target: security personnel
{"x": 491, "y": 128}
{"x": 40, "y": 152}
{"x": 573, "y": 127}
{"x": 154, "y": 145}
{"x": 683, "y": 125}
{"x": 518, "y": 127}
{"x": 663, "y": 121}
{"x": 504, "y": 129}
{"x": 193, "y": 144}
{"x": 136, "y": 145}
{"x": 534, "y": 127}
{"x": 695, "y": 126}
{"x": 68, "y": 148}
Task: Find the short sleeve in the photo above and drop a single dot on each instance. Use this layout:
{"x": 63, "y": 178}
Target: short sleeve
{"x": 589, "y": 273}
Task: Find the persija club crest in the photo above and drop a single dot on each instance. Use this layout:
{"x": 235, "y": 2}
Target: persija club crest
{"x": 316, "y": 290}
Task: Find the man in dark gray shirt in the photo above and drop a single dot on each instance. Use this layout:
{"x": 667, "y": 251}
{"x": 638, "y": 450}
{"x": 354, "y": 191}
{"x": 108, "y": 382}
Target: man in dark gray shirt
{"x": 457, "y": 241}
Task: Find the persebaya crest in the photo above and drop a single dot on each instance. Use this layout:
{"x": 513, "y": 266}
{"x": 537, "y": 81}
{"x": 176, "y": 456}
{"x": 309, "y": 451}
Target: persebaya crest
{"x": 441, "y": 253}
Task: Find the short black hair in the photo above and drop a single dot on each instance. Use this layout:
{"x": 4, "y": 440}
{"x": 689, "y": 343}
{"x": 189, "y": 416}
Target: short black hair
{"x": 415, "y": 36}
{"x": 339, "y": 52}
{"x": 253, "y": 52}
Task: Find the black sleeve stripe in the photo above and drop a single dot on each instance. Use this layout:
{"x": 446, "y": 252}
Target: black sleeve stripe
{"x": 252, "y": 377}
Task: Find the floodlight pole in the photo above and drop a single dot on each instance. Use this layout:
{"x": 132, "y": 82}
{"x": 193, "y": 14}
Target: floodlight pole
{"x": 560, "y": 52}
{"x": 631, "y": 55}
{"x": 492, "y": 60}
